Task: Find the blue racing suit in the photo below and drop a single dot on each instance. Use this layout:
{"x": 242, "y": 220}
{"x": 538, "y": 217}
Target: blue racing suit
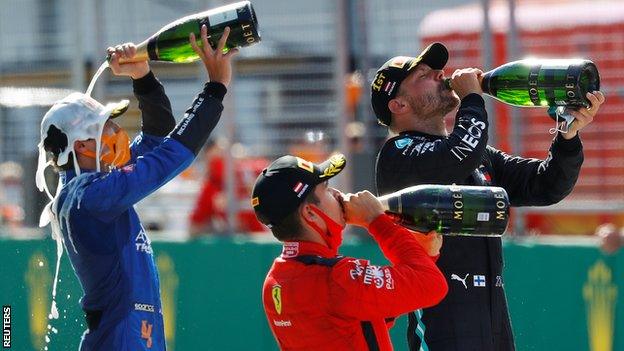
{"x": 108, "y": 247}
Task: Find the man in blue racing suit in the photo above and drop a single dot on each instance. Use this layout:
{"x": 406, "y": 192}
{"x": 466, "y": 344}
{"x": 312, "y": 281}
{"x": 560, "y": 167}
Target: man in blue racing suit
{"x": 102, "y": 176}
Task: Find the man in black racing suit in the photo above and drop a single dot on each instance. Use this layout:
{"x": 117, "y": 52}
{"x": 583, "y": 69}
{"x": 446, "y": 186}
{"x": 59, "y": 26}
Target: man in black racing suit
{"x": 409, "y": 96}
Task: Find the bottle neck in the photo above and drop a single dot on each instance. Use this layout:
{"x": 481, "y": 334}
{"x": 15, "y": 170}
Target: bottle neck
{"x": 484, "y": 80}
{"x": 141, "y": 54}
{"x": 384, "y": 202}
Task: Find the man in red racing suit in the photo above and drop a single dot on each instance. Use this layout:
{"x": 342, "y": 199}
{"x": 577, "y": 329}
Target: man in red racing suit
{"x": 314, "y": 298}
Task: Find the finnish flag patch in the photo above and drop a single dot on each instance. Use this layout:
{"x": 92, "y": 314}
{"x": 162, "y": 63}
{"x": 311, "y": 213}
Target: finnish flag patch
{"x": 478, "y": 280}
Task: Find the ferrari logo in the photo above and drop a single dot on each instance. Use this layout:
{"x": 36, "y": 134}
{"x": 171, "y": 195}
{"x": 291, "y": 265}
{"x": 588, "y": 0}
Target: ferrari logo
{"x": 276, "y": 292}
{"x": 255, "y": 202}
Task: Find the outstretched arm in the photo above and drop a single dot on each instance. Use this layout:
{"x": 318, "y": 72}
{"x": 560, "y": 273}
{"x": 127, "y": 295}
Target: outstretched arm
{"x": 157, "y": 119}
{"x": 131, "y": 184}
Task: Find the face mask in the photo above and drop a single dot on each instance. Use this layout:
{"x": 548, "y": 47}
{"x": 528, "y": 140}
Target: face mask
{"x": 115, "y": 148}
{"x": 333, "y": 235}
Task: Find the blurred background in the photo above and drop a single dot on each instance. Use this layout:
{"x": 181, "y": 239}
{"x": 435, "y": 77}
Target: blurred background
{"x": 304, "y": 90}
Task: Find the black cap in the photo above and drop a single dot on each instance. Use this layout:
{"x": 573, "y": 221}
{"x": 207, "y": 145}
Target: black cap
{"x": 390, "y": 75}
{"x": 282, "y": 187}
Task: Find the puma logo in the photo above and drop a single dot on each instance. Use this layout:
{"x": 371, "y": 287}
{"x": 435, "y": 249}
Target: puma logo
{"x": 456, "y": 277}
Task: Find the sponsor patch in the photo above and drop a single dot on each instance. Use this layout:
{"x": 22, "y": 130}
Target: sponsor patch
{"x": 255, "y": 202}
{"x": 415, "y": 146}
{"x": 460, "y": 279}
{"x": 300, "y": 188}
{"x": 389, "y": 280}
{"x": 307, "y": 165}
{"x": 499, "y": 281}
{"x": 143, "y": 243}
{"x": 378, "y": 81}
{"x": 483, "y": 217}
{"x": 403, "y": 143}
{"x": 357, "y": 271}
{"x": 189, "y": 116}
{"x": 290, "y": 249}
{"x": 282, "y": 323}
{"x": 389, "y": 88}
{"x": 146, "y": 333}
{"x": 372, "y": 275}
{"x": 276, "y": 293}
{"x": 471, "y": 138}
{"x": 143, "y": 307}
{"x": 479, "y": 280}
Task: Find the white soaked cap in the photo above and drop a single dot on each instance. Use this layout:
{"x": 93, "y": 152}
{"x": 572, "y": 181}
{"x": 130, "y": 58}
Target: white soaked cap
{"x": 79, "y": 117}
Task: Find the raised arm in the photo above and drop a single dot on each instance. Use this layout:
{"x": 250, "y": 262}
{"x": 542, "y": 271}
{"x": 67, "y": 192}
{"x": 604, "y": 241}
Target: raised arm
{"x": 157, "y": 119}
{"x": 134, "y": 182}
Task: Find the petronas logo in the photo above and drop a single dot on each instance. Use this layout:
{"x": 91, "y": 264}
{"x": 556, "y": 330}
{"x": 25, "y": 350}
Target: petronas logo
{"x": 600, "y": 295}
{"x": 38, "y": 279}
{"x": 169, "y": 288}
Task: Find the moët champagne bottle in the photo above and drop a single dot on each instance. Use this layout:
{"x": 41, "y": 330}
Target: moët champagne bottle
{"x": 171, "y": 43}
{"x": 450, "y": 209}
{"x": 542, "y": 82}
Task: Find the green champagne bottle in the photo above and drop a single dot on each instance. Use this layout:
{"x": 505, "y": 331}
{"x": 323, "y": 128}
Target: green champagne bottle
{"x": 171, "y": 43}
{"x": 450, "y": 209}
{"x": 542, "y": 82}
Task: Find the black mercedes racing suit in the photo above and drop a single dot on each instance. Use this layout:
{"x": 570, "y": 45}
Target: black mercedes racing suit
{"x": 474, "y": 314}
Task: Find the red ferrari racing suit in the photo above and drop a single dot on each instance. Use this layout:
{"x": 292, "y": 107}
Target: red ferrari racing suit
{"x": 316, "y": 300}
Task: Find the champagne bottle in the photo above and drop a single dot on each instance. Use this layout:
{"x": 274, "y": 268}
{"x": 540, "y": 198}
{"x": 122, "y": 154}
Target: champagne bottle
{"x": 450, "y": 209}
{"x": 171, "y": 43}
{"x": 542, "y": 83}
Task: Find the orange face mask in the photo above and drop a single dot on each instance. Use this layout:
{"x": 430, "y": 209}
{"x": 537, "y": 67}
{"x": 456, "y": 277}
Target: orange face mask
{"x": 115, "y": 149}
